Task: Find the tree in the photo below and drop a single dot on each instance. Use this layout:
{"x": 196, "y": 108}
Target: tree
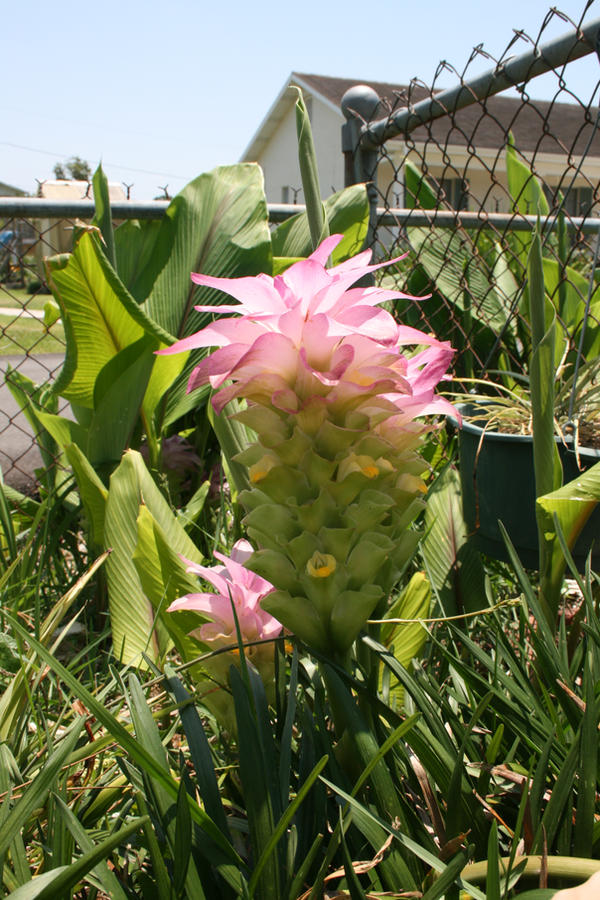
{"x": 75, "y": 168}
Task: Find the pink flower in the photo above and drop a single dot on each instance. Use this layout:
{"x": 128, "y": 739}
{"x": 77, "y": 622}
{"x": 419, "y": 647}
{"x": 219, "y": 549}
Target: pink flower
{"x": 309, "y": 334}
{"x": 233, "y": 582}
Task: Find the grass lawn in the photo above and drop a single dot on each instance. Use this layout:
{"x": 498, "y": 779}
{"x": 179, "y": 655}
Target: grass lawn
{"x": 20, "y": 299}
{"x": 27, "y": 335}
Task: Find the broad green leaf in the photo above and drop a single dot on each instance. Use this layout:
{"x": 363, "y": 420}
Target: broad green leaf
{"x": 463, "y": 276}
{"x": 132, "y": 615}
{"x": 453, "y": 564}
{"x": 573, "y": 287}
{"x": 525, "y": 188}
{"x": 118, "y": 392}
{"x": 220, "y": 228}
{"x": 142, "y": 249}
{"x": 527, "y": 196}
{"x": 164, "y": 372}
{"x": 103, "y": 217}
{"x": 99, "y": 315}
{"x": 64, "y": 431}
{"x": 234, "y": 438}
{"x": 418, "y": 193}
{"x": 32, "y": 398}
{"x": 91, "y": 490}
{"x": 406, "y": 639}
{"x": 347, "y": 213}
{"x": 572, "y": 506}
{"x": 164, "y": 579}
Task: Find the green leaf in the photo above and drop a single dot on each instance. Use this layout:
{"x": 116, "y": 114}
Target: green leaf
{"x": 548, "y": 472}
{"x": 309, "y": 172}
{"x": 234, "y": 438}
{"x": 103, "y": 218}
{"x": 200, "y": 751}
{"x": 105, "y": 876}
{"x": 35, "y": 794}
{"x": 135, "y": 628}
{"x": 347, "y": 213}
{"x": 220, "y": 228}
{"x": 463, "y": 276}
{"x": 118, "y": 393}
{"x": 19, "y": 690}
{"x": 256, "y": 787}
{"x": 572, "y": 506}
{"x": 64, "y": 878}
{"x": 525, "y": 188}
{"x": 137, "y": 751}
{"x": 100, "y": 317}
{"x": 418, "y": 193}
{"x": 142, "y": 249}
{"x": 453, "y": 564}
{"x": 91, "y": 490}
{"x": 163, "y": 578}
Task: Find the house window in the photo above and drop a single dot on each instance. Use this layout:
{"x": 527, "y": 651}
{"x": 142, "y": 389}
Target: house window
{"x": 455, "y": 192}
{"x": 578, "y": 201}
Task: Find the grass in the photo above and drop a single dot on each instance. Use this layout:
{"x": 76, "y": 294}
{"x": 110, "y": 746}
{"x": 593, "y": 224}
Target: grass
{"x": 30, "y": 336}
{"x": 17, "y": 298}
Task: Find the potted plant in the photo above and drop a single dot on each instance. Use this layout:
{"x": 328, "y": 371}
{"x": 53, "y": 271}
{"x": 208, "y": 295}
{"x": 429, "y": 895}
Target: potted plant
{"x": 523, "y": 445}
{"x": 497, "y": 464}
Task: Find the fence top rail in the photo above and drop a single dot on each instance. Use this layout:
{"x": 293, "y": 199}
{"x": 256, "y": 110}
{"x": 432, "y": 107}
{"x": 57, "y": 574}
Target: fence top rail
{"x": 508, "y": 73}
{"x": 44, "y": 208}
{"x": 448, "y": 218}
{"x": 41, "y": 208}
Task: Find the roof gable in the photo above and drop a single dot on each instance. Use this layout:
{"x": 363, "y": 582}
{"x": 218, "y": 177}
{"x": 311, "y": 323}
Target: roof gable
{"x": 537, "y": 125}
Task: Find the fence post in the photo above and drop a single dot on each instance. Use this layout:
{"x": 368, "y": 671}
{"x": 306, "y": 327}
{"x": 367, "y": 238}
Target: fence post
{"x": 359, "y": 105}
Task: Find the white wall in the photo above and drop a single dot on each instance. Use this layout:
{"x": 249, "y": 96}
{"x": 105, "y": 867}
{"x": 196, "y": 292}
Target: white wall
{"x": 279, "y": 159}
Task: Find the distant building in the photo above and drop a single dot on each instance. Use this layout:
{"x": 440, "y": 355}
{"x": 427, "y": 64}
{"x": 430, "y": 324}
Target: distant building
{"x": 7, "y": 190}
{"x": 56, "y": 235}
{"x": 459, "y": 153}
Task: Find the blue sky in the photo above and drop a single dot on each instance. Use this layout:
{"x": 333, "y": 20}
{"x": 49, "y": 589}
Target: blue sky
{"x": 161, "y": 92}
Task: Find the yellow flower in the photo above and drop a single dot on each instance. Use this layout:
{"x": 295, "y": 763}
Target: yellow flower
{"x": 366, "y": 465}
{"x": 321, "y": 565}
{"x": 261, "y": 468}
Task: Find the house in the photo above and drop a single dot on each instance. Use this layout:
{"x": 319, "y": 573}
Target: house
{"x": 56, "y": 236}
{"x": 7, "y": 190}
{"x": 462, "y": 155}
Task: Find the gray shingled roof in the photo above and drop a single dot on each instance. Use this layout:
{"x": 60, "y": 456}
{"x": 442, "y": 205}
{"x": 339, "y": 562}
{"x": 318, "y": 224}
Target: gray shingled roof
{"x": 537, "y": 125}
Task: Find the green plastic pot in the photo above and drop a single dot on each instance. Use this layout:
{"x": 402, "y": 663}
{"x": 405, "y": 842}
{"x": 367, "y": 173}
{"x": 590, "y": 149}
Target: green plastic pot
{"x": 498, "y": 483}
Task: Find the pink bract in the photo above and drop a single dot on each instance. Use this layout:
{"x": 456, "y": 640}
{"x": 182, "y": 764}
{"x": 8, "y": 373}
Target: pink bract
{"x": 233, "y": 582}
{"x": 308, "y": 333}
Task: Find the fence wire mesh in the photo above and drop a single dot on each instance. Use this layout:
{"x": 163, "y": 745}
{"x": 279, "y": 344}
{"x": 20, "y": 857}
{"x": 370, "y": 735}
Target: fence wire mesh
{"x": 462, "y": 175}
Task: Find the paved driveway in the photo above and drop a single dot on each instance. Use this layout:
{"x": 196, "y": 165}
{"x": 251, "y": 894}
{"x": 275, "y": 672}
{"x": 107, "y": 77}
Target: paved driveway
{"x": 19, "y": 455}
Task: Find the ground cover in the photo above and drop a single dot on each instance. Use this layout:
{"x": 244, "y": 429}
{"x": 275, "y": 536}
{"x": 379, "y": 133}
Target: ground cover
{"x": 21, "y": 299}
{"x": 28, "y": 335}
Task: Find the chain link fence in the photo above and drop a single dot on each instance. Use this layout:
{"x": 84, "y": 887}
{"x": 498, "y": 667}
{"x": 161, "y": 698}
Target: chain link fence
{"x": 458, "y": 179}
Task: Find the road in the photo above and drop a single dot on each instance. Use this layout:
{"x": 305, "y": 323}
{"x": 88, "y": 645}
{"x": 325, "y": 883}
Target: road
{"x": 19, "y": 455}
